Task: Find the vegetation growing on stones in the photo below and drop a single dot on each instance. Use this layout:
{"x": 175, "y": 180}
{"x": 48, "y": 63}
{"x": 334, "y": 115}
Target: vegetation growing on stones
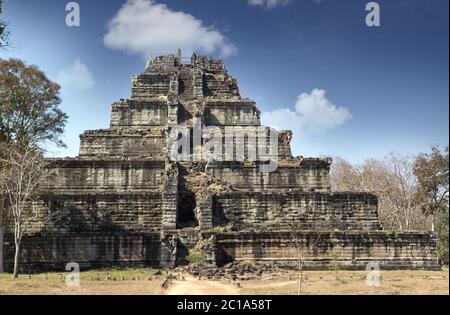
{"x": 197, "y": 256}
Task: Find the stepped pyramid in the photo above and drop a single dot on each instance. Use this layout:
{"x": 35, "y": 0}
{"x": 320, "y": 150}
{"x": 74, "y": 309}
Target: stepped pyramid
{"x": 127, "y": 202}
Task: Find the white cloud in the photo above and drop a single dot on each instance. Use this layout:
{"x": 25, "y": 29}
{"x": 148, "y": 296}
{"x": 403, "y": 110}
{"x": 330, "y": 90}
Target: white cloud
{"x": 268, "y": 3}
{"x": 313, "y": 113}
{"x": 145, "y": 27}
{"x": 75, "y": 77}
{"x": 318, "y": 113}
{"x": 275, "y": 3}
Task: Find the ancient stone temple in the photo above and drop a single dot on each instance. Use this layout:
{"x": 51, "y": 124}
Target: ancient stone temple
{"x": 126, "y": 201}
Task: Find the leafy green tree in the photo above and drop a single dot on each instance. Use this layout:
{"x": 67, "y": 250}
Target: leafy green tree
{"x": 30, "y": 117}
{"x": 432, "y": 171}
{"x": 442, "y": 228}
{"x": 29, "y": 106}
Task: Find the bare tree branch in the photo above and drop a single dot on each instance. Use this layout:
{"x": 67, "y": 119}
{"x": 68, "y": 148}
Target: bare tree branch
{"x": 23, "y": 170}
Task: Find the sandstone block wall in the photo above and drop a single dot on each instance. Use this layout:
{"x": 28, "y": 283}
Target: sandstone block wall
{"x": 231, "y": 113}
{"x": 248, "y": 143}
{"x": 329, "y": 250}
{"x": 107, "y": 212}
{"x": 44, "y": 252}
{"x": 103, "y": 175}
{"x": 147, "y": 86}
{"x": 319, "y": 249}
{"x": 162, "y": 65}
{"x": 309, "y": 175}
{"x": 117, "y": 143}
{"x": 220, "y": 85}
{"x": 306, "y": 211}
{"x": 94, "y": 213}
{"x": 134, "y": 114}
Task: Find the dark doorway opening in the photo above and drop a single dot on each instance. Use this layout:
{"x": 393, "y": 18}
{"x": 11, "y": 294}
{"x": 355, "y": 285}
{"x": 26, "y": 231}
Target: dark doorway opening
{"x": 186, "y": 210}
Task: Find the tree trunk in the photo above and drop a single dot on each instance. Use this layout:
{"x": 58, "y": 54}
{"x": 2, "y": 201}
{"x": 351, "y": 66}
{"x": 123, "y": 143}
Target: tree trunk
{"x": 300, "y": 281}
{"x": 433, "y": 224}
{"x": 300, "y": 270}
{"x": 2, "y": 231}
{"x": 299, "y": 291}
{"x": 16, "y": 260}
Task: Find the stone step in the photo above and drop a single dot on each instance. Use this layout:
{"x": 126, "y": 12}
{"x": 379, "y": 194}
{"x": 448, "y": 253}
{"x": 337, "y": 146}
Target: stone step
{"x": 186, "y": 78}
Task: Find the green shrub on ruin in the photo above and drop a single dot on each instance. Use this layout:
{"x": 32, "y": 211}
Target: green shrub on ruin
{"x": 442, "y": 233}
{"x": 197, "y": 257}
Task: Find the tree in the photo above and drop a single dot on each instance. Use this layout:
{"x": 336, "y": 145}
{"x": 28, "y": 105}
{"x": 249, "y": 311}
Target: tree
{"x": 29, "y": 117}
{"x": 411, "y": 190}
{"x": 23, "y": 170}
{"x": 3, "y": 31}
{"x": 442, "y": 222}
{"x": 432, "y": 171}
{"x": 392, "y": 179}
{"x": 303, "y": 248}
{"x": 2, "y": 230}
{"x": 29, "y": 106}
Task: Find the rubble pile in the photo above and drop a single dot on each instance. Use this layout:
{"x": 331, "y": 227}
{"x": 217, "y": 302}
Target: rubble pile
{"x": 235, "y": 271}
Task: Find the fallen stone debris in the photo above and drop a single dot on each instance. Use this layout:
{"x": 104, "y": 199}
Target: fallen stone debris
{"x": 235, "y": 271}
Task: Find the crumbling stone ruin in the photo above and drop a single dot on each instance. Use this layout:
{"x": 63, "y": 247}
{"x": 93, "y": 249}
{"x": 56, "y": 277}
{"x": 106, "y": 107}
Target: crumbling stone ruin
{"x": 126, "y": 202}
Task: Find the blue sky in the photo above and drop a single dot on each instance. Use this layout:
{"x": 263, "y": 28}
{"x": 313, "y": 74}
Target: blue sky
{"x": 313, "y": 66}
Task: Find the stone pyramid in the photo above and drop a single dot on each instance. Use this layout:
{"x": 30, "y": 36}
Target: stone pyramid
{"x": 127, "y": 201}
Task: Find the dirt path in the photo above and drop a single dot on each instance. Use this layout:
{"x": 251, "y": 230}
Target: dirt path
{"x": 201, "y": 287}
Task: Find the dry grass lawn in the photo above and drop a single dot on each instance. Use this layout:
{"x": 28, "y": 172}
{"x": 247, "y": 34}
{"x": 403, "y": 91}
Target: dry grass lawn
{"x": 107, "y": 282}
{"x": 354, "y": 283}
{"x": 147, "y": 282}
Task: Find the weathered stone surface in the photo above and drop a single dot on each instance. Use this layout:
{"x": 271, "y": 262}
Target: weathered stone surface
{"x": 146, "y": 143}
{"x": 170, "y": 197}
{"x": 245, "y": 143}
{"x": 148, "y": 86}
{"x": 231, "y": 113}
{"x": 322, "y": 249}
{"x": 42, "y": 252}
{"x": 98, "y": 175}
{"x": 169, "y": 247}
{"x": 125, "y": 202}
{"x": 306, "y": 211}
{"x": 102, "y": 212}
{"x": 135, "y": 114}
{"x": 307, "y": 175}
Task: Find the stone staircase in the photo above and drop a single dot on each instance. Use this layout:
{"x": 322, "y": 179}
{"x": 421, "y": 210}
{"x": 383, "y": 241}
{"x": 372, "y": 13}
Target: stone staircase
{"x": 186, "y": 89}
{"x": 186, "y": 92}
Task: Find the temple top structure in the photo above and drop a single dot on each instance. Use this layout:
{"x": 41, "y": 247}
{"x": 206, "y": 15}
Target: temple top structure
{"x": 202, "y": 77}
{"x": 171, "y": 93}
{"x": 172, "y": 62}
